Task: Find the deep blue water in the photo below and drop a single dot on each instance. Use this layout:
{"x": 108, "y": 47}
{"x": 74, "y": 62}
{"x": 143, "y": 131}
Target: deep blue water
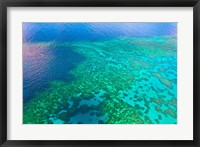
{"x": 47, "y": 65}
{"x": 61, "y": 32}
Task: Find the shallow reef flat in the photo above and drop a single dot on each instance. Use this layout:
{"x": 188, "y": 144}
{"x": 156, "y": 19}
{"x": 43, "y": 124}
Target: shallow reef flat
{"x": 129, "y": 80}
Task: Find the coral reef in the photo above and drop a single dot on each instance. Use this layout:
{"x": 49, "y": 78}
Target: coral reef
{"x": 119, "y": 82}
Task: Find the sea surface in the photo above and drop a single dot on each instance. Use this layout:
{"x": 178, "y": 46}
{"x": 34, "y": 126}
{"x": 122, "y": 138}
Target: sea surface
{"x": 99, "y": 73}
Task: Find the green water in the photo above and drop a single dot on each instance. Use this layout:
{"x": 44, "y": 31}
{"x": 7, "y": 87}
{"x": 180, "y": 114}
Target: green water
{"x": 129, "y": 80}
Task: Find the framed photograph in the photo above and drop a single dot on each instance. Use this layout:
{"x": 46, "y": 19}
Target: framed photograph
{"x": 106, "y": 73}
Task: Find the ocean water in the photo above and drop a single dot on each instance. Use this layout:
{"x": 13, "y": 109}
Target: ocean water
{"x": 99, "y": 73}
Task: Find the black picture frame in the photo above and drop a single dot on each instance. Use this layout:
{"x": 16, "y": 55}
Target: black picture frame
{"x": 98, "y": 3}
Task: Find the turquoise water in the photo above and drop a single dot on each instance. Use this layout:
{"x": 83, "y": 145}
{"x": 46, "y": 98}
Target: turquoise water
{"x": 100, "y": 73}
